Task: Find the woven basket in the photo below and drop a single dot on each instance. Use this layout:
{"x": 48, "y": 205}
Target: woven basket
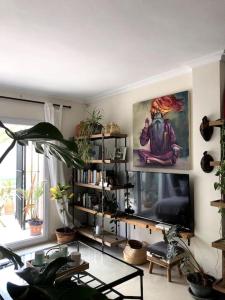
{"x": 135, "y": 252}
{"x": 65, "y": 237}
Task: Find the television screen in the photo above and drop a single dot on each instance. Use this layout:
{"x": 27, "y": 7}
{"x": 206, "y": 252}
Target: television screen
{"x": 162, "y": 197}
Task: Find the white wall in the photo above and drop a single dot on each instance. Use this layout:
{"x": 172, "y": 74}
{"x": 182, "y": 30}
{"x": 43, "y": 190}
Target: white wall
{"x": 206, "y": 101}
{"x": 35, "y": 112}
{"x": 204, "y": 86}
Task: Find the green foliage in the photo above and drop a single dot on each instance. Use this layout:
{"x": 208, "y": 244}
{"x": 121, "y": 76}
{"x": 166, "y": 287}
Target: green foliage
{"x": 32, "y": 197}
{"x": 173, "y": 238}
{"x": 44, "y": 135}
{"x": 88, "y": 127}
{"x": 220, "y": 172}
{"x": 62, "y": 194}
{"x": 13, "y": 257}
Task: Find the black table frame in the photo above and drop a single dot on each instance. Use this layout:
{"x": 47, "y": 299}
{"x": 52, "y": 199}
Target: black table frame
{"x": 102, "y": 287}
{"x": 109, "y": 287}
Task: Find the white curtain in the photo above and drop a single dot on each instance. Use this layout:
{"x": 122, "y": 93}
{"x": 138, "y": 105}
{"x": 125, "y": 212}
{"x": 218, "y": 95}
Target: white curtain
{"x": 56, "y": 171}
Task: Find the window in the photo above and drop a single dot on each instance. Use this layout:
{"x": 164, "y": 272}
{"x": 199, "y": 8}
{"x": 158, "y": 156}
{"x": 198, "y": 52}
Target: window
{"x": 22, "y": 190}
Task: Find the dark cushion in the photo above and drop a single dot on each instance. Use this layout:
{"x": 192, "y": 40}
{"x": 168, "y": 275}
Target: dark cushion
{"x": 160, "y": 249}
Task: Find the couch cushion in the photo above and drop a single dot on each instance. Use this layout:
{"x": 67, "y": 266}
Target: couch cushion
{"x": 160, "y": 249}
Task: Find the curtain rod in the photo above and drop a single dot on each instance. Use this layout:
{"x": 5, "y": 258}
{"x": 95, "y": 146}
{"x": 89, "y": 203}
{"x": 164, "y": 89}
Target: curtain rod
{"x": 33, "y": 101}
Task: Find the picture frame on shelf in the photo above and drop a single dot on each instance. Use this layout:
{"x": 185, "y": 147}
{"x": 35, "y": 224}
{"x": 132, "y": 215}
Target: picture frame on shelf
{"x": 120, "y": 153}
{"x": 96, "y": 152}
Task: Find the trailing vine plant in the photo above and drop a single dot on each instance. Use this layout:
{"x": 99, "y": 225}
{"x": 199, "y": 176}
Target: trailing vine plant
{"x": 220, "y": 173}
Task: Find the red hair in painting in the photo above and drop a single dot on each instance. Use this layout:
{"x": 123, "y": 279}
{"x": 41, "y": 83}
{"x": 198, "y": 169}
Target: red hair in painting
{"x": 166, "y": 104}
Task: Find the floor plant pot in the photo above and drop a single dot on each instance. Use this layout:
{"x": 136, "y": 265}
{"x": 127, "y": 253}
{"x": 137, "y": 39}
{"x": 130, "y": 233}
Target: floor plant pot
{"x": 65, "y": 235}
{"x": 35, "y": 227}
{"x": 198, "y": 288}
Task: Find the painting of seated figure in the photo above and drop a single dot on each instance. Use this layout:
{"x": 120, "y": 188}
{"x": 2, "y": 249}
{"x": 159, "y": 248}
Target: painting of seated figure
{"x": 161, "y": 132}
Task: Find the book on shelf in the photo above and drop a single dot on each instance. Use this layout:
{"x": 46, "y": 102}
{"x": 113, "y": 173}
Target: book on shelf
{"x": 89, "y": 176}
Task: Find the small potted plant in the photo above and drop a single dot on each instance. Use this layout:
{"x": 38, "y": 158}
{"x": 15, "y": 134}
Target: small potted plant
{"x": 91, "y": 125}
{"x": 62, "y": 194}
{"x": 200, "y": 282}
{"x": 32, "y": 198}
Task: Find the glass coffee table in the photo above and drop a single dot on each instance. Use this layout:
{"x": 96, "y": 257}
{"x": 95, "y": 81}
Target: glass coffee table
{"x": 106, "y": 273}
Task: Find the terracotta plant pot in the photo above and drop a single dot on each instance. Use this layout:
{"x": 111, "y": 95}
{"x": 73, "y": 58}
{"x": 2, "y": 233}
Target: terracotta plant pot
{"x": 35, "y": 227}
{"x": 65, "y": 235}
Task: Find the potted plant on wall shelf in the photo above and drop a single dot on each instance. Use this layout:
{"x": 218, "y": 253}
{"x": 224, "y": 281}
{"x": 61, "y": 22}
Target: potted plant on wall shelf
{"x": 200, "y": 282}
{"x": 62, "y": 194}
{"x": 91, "y": 125}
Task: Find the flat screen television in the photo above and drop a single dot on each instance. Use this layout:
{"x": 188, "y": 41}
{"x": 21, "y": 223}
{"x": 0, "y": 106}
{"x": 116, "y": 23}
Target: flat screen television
{"x": 162, "y": 197}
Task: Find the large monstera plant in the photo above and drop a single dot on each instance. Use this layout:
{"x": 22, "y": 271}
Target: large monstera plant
{"x": 44, "y": 135}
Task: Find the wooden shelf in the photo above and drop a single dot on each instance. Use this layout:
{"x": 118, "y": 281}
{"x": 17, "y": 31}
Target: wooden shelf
{"x": 215, "y": 163}
{"x": 93, "y": 212}
{"x": 216, "y": 123}
{"x": 110, "y": 239}
{"x": 219, "y": 244}
{"x": 105, "y": 136}
{"x": 218, "y": 203}
{"x": 98, "y": 187}
{"x": 106, "y": 161}
{"x": 133, "y": 221}
{"x": 219, "y": 286}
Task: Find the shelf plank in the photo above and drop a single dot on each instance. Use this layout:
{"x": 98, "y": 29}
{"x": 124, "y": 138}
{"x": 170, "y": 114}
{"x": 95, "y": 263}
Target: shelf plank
{"x": 138, "y": 222}
{"x": 215, "y": 163}
{"x": 218, "y": 203}
{"x": 110, "y": 239}
{"x": 98, "y": 187}
{"x": 133, "y": 221}
{"x": 106, "y": 161}
{"x": 219, "y": 286}
{"x": 216, "y": 123}
{"x": 105, "y": 135}
{"x": 93, "y": 212}
{"x": 219, "y": 244}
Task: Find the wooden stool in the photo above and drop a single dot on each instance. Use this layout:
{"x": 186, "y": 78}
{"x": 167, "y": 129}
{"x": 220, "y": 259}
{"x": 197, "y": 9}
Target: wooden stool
{"x": 166, "y": 264}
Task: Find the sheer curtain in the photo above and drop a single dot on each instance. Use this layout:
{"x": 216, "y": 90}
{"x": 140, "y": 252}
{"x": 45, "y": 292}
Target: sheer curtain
{"x": 55, "y": 167}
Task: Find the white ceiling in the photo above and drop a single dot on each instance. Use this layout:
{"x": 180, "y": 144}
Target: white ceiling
{"x": 77, "y": 49}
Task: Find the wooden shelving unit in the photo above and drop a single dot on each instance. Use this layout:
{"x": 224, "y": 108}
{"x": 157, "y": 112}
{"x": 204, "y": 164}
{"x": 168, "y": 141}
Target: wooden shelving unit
{"x": 216, "y": 123}
{"x": 218, "y": 203}
{"x": 219, "y": 244}
{"x": 215, "y": 163}
{"x": 108, "y": 239}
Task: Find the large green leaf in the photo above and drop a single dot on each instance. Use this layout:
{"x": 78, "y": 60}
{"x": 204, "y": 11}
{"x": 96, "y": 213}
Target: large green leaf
{"x": 44, "y": 135}
{"x": 43, "y": 130}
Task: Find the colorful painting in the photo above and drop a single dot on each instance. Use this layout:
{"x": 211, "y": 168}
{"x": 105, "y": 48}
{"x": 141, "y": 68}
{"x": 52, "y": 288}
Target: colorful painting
{"x": 161, "y": 132}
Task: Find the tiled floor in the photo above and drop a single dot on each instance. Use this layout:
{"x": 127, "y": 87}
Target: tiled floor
{"x": 156, "y": 286}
